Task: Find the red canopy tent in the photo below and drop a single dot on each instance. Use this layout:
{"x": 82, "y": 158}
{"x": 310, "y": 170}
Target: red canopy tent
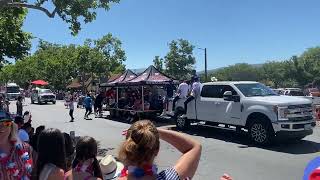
{"x": 125, "y": 77}
{"x": 151, "y": 76}
{"x": 40, "y": 82}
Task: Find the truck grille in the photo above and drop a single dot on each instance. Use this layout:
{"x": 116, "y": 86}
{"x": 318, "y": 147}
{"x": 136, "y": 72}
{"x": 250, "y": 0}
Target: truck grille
{"x": 297, "y": 119}
{"x": 48, "y": 97}
{"x": 302, "y": 112}
{"x": 300, "y": 106}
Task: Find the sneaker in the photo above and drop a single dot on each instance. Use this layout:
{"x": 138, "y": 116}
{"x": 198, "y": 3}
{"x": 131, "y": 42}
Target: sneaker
{"x": 184, "y": 116}
{"x": 171, "y": 113}
{"x": 71, "y": 120}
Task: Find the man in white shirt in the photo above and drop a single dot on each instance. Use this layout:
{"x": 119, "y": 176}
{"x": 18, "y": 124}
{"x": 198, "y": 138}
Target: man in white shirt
{"x": 195, "y": 93}
{"x": 182, "y": 92}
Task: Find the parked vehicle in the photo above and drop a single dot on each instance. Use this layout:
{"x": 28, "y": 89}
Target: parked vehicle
{"x": 314, "y": 92}
{"x": 293, "y": 92}
{"x": 12, "y": 91}
{"x": 42, "y": 96}
{"x": 279, "y": 91}
{"x": 252, "y": 106}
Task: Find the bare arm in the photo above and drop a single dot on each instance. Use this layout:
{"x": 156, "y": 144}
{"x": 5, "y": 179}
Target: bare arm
{"x": 187, "y": 165}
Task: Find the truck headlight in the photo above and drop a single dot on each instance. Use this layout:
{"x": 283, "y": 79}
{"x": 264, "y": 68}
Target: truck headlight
{"x": 282, "y": 113}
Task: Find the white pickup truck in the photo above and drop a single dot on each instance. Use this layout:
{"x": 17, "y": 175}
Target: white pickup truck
{"x": 252, "y": 106}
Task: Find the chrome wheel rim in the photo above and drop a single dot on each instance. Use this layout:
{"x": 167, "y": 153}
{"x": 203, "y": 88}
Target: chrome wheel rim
{"x": 180, "y": 122}
{"x": 258, "y": 133}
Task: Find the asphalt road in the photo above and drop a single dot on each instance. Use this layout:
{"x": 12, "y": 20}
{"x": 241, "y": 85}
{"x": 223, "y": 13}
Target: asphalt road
{"x": 224, "y": 151}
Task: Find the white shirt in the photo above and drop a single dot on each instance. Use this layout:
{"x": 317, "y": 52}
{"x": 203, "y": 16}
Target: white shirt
{"x": 183, "y": 89}
{"x": 23, "y": 135}
{"x": 196, "y": 88}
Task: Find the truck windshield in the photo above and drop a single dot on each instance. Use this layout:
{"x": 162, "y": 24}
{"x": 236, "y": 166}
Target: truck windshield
{"x": 255, "y": 89}
{"x": 45, "y": 91}
{"x": 13, "y": 89}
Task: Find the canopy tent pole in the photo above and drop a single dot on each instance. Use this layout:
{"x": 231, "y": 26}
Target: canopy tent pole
{"x": 117, "y": 97}
{"x": 142, "y": 98}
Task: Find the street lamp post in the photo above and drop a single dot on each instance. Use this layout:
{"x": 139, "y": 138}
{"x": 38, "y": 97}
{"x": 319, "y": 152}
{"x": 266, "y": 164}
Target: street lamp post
{"x": 205, "y": 64}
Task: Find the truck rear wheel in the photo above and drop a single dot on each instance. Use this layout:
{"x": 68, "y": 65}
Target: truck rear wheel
{"x": 261, "y": 132}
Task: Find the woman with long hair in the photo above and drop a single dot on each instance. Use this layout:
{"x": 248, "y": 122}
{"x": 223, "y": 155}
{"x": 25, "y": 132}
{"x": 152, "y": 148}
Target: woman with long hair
{"x": 51, "y": 162}
{"x": 141, "y": 147}
{"x": 15, "y": 156}
{"x": 69, "y": 151}
{"x": 85, "y": 165}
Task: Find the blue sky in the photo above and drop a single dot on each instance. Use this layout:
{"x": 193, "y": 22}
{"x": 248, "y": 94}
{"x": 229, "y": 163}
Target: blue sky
{"x": 233, "y": 31}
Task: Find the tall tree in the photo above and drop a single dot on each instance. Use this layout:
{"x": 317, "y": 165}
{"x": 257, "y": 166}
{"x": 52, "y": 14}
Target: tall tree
{"x": 14, "y": 42}
{"x": 113, "y": 54}
{"x": 158, "y": 63}
{"x": 179, "y": 61}
{"x": 72, "y": 12}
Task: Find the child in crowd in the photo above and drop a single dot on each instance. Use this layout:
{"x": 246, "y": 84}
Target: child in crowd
{"x": 85, "y": 164}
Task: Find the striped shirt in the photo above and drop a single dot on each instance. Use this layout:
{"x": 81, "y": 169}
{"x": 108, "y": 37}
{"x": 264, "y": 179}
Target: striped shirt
{"x": 15, "y": 158}
{"x": 168, "y": 174}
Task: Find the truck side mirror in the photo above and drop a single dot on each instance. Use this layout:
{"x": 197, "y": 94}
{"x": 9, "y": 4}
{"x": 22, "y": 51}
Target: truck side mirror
{"x": 227, "y": 96}
{"x": 236, "y": 98}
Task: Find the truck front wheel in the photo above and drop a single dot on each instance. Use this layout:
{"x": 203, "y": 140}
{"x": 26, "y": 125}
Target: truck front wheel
{"x": 260, "y": 132}
{"x": 182, "y": 123}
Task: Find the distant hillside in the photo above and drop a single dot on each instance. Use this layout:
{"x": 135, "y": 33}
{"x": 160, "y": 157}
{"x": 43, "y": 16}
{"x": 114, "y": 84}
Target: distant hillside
{"x": 210, "y": 71}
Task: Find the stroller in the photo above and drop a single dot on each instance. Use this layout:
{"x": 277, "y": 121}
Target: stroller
{"x": 80, "y": 102}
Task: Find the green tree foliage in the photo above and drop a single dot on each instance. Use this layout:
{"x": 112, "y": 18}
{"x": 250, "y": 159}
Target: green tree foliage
{"x": 237, "y": 72}
{"x": 298, "y": 71}
{"x": 179, "y": 61}
{"x": 158, "y": 63}
{"x": 73, "y": 12}
{"x": 14, "y": 43}
{"x": 59, "y": 64}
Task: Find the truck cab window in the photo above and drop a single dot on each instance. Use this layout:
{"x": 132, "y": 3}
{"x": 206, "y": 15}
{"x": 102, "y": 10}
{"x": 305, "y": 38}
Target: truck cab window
{"x": 216, "y": 91}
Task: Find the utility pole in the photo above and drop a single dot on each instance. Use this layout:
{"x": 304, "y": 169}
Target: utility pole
{"x": 205, "y": 64}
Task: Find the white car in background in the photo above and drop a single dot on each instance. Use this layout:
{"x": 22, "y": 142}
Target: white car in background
{"x": 42, "y": 96}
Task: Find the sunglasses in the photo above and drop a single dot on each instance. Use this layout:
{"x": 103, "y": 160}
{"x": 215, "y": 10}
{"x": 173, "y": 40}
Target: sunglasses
{"x": 6, "y": 123}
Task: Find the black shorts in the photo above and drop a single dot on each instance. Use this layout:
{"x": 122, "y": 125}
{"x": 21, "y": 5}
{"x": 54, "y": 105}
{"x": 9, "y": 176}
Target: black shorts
{"x": 88, "y": 109}
{"x": 99, "y": 106}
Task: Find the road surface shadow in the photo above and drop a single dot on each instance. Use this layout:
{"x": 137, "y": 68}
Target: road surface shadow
{"x": 101, "y": 151}
{"x": 297, "y": 147}
{"x": 158, "y": 121}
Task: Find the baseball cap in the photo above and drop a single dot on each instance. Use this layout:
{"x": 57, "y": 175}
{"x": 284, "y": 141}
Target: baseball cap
{"x": 4, "y": 116}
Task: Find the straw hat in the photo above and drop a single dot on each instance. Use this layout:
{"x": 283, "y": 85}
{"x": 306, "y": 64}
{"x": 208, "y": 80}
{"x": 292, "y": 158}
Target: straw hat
{"x": 110, "y": 167}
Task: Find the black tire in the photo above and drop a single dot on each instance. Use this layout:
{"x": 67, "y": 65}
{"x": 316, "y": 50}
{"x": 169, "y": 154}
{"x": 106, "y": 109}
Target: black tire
{"x": 32, "y": 102}
{"x": 261, "y": 132}
{"x": 54, "y": 102}
{"x": 39, "y": 102}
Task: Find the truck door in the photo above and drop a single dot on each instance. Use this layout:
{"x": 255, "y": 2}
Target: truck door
{"x": 207, "y": 104}
{"x": 230, "y": 111}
